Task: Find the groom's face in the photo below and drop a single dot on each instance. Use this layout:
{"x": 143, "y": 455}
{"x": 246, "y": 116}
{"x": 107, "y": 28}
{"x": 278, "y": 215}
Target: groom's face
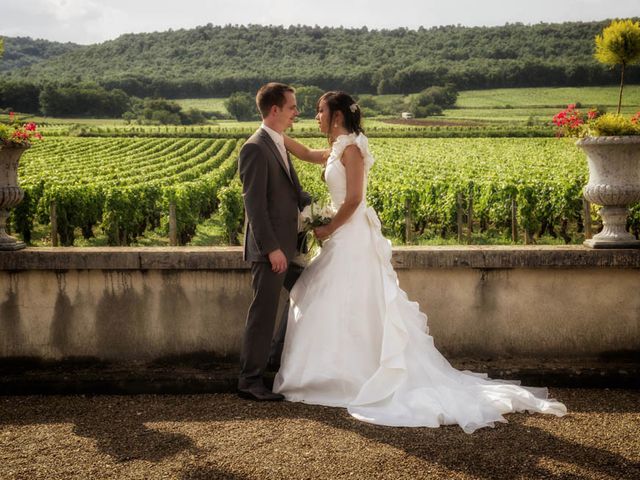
{"x": 286, "y": 114}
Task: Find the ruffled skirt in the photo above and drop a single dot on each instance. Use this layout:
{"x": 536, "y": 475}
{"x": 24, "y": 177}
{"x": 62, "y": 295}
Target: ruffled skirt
{"x": 355, "y": 340}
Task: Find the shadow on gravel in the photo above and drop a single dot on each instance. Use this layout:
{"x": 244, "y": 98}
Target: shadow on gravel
{"x": 139, "y": 443}
{"x": 515, "y": 450}
{"x": 512, "y": 450}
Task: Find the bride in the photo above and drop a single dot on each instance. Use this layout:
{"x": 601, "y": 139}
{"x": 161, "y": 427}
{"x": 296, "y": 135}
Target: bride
{"x": 353, "y": 338}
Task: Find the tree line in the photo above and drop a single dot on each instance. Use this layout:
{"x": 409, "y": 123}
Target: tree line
{"x": 430, "y": 101}
{"x": 92, "y": 100}
{"x": 215, "y": 61}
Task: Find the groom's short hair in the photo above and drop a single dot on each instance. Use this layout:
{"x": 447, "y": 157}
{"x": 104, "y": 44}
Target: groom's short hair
{"x": 271, "y": 94}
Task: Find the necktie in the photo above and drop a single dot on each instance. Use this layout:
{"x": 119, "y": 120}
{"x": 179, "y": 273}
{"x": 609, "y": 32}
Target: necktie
{"x": 283, "y": 153}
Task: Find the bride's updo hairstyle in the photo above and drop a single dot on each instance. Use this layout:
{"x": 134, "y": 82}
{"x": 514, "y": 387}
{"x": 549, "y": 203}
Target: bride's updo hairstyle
{"x": 338, "y": 101}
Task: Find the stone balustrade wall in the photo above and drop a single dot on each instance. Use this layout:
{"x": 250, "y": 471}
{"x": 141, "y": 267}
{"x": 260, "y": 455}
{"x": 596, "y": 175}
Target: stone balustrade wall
{"x": 136, "y": 304}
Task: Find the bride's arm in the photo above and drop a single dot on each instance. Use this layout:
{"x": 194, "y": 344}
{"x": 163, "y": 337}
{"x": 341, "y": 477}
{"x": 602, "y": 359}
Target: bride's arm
{"x": 354, "y": 166}
{"x": 304, "y": 153}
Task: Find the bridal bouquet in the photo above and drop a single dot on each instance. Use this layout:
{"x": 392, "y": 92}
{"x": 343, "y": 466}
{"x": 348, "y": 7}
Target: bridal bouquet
{"x": 315, "y": 215}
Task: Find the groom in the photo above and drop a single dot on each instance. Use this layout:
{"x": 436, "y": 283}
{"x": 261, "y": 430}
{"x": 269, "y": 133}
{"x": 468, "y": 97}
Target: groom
{"x": 272, "y": 198}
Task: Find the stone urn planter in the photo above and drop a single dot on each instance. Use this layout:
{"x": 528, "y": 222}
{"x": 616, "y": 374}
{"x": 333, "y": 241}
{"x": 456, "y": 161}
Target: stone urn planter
{"x": 614, "y": 183}
{"x": 10, "y": 193}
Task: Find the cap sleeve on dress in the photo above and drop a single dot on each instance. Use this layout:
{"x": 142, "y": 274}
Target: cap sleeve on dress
{"x": 363, "y": 144}
{"x": 361, "y": 141}
{"x": 342, "y": 142}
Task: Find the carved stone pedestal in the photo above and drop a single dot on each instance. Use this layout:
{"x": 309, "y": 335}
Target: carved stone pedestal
{"x": 10, "y": 193}
{"x": 614, "y": 183}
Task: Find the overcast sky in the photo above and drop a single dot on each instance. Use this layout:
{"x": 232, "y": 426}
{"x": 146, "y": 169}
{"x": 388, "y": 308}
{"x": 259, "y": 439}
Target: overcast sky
{"x": 93, "y": 21}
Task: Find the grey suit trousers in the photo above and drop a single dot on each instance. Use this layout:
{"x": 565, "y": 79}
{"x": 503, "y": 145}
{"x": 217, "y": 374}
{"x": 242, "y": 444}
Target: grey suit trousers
{"x": 277, "y": 344}
{"x": 259, "y": 339}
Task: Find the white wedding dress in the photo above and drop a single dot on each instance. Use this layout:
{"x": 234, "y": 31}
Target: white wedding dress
{"x": 354, "y": 340}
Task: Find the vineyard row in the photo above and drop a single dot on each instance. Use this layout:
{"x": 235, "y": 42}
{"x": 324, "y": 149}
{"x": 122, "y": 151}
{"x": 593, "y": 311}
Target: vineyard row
{"x": 419, "y": 187}
{"x": 126, "y": 187}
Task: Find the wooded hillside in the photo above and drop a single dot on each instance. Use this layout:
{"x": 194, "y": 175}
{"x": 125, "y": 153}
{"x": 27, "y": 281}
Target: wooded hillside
{"x": 213, "y": 61}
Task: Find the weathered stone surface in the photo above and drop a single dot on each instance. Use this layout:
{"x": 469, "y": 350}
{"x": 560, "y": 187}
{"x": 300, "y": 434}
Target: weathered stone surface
{"x": 193, "y": 258}
{"x": 230, "y": 258}
{"x": 71, "y": 258}
{"x": 513, "y": 257}
{"x": 129, "y": 304}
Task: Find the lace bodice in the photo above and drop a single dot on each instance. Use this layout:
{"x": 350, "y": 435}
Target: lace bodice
{"x": 335, "y": 173}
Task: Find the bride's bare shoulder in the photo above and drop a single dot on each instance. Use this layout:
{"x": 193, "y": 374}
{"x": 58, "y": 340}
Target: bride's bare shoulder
{"x": 352, "y": 153}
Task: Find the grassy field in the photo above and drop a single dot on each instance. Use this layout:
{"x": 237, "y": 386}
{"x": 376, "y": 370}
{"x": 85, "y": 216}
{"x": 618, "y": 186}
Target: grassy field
{"x": 500, "y": 98}
{"x": 515, "y": 105}
{"x": 217, "y": 104}
{"x": 520, "y": 115}
{"x": 538, "y": 105}
{"x": 204, "y": 104}
{"x": 549, "y": 97}
{"x": 481, "y": 110}
{"x": 40, "y": 120}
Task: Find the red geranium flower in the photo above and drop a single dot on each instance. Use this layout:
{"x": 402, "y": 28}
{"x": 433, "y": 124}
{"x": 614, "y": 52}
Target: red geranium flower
{"x": 570, "y": 122}
{"x": 13, "y": 134}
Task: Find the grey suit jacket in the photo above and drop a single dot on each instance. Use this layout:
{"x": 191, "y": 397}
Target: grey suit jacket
{"x": 272, "y": 199}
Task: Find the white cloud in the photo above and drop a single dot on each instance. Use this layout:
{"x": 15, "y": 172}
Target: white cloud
{"x": 60, "y": 20}
{"x": 92, "y": 21}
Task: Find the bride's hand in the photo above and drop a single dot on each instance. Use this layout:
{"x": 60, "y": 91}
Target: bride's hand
{"x": 323, "y": 232}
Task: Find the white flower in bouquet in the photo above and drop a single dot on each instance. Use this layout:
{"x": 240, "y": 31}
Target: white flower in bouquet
{"x": 315, "y": 215}
{"x": 303, "y": 218}
{"x": 327, "y": 212}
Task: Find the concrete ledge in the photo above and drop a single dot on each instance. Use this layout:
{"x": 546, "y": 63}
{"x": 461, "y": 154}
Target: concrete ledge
{"x": 138, "y": 304}
{"x": 499, "y": 257}
{"x": 230, "y": 258}
{"x": 124, "y": 258}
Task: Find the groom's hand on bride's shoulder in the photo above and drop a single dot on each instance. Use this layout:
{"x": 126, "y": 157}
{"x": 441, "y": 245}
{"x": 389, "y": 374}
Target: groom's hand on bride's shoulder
{"x": 278, "y": 261}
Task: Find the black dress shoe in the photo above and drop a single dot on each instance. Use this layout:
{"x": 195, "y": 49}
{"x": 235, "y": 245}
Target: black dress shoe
{"x": 259, "y": 393}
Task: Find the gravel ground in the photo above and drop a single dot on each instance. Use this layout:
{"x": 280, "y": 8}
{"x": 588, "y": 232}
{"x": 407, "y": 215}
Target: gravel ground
{"x": 221, "y": 436}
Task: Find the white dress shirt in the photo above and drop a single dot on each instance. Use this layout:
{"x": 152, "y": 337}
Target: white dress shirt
{"x": 278, "y": 139}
